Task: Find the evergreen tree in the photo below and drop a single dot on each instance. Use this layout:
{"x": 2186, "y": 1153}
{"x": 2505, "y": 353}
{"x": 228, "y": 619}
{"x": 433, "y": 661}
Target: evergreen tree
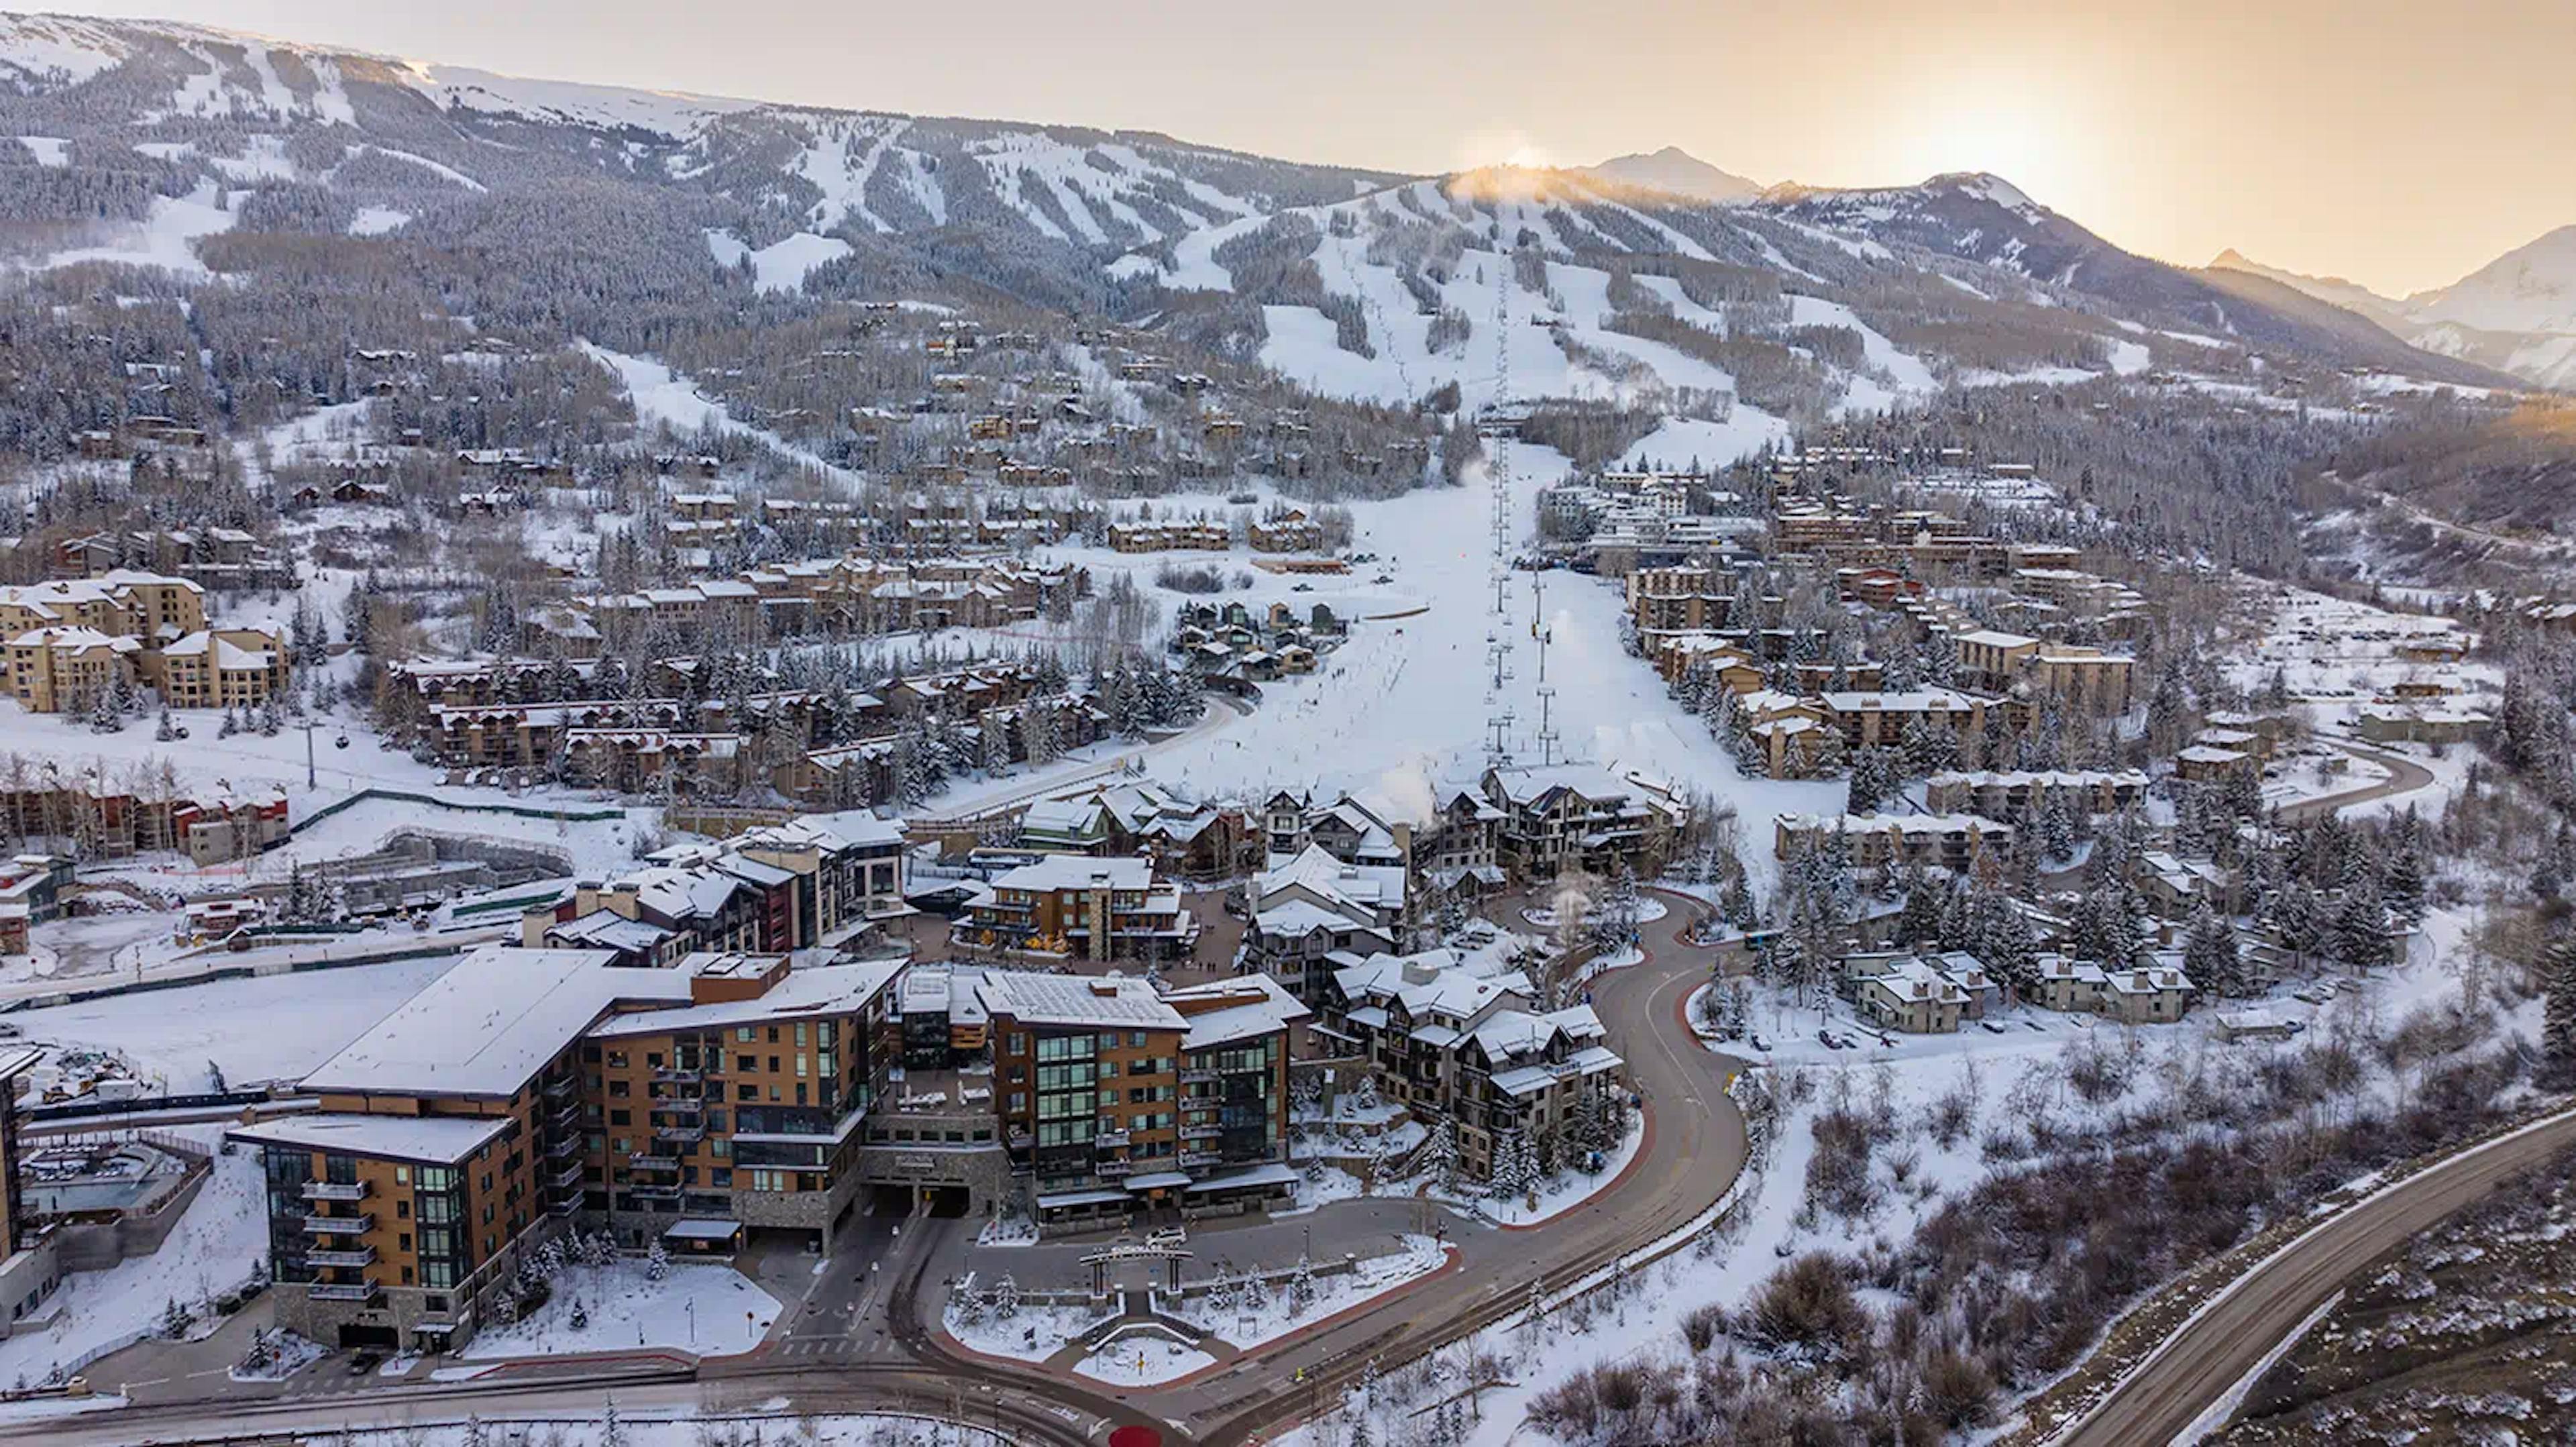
{"x": 2211, "y": 957}
{"x": 2361, "y": 927}
{"x": 1870, "y": 784}
{"x": 2558, "y": 1017}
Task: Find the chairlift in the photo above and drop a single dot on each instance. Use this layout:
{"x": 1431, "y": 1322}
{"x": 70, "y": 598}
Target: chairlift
{"x": 341, "y": 742}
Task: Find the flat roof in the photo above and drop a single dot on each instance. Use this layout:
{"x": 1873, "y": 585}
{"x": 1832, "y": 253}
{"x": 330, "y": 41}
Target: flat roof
{"x": 437, "y": 1139}
{"x": 487, "y": 1026}
{"x": 824, "y": 990}
{"x": 1109, "y": 1001}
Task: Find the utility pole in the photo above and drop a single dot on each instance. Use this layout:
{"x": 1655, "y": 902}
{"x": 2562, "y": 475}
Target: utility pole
{"x": 309, "y": 784}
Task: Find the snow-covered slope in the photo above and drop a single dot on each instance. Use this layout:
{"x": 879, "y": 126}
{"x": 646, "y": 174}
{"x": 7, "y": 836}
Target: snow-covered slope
{"x": 874, "y": 173}
{"x": 2531, "y": 288}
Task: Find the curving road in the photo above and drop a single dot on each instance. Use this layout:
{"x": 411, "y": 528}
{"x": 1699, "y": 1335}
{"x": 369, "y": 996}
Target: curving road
{"x": 2405, "y": 776}
{"x": 2213, "y": 1351}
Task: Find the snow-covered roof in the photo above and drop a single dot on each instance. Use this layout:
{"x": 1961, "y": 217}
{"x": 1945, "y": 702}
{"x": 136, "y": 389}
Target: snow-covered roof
{"x": 1079, "y": 871}
{"x": 435, "y": 1139}
{"x": 1591, "y": 781}
{"x": 1257, "y": 1005}
{"x": 489, "y": 1024}
{"x": 1366, "y": 888}
{"x": 1099, "y": 1000}
{"x": 822, "y": 990}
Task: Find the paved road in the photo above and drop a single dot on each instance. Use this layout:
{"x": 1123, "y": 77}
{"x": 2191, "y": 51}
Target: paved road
{"x": 2405, "y": 776}
{"x": 2199, "y": 1362}
{"x": 862, "y": 1340}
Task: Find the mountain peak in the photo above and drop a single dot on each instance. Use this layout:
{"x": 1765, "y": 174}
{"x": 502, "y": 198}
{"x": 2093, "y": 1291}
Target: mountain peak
{"x": 1677, "y": 171}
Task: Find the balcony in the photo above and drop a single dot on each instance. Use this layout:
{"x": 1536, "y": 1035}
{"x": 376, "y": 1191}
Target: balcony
{"x": 678, "y": 1105}
{"x": 674, "y": 1075}
{"x": 652, "y": 1163}
{"x": 564, "y": 1206}
{"x": 335, "y": 1190}
{"x": 562, "y": 1087}
{"x": 1192, "y": 1159}
{"x": 362, "y": 1256}
{"x": 338, "y": 1225}
{"x": 1201, "y": 1077}
{"x": 1201, "y": 1132}
{"x": 563, "y": 1147}
{"x": 1115, "y": 1168}
{"x": 361, "y": 1291}
{"x": 657, "y": 1195}
{"x": 566, "y": 1116}
{"x": 567, "y": 1178}
{"x": 678, "y": 1138}
{"x": 1110, "y": 1140}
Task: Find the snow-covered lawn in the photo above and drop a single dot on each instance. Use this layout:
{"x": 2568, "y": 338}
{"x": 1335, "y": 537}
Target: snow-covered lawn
{"x": 215, "y": 1247}
{"x": 1241, "y": 1318}
{"x": 703, "y": 1307}
{"x": 1143, "y": 1361}
{"x": 1649, "y": 910}
{"x": 1029, "y": 1334}
{"x": 1566, "y": 1190}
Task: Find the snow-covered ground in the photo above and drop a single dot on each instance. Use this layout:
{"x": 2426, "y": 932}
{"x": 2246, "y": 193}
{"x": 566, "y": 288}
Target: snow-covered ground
{"x": 703, "y": 1307}
{"x": 216, "y": 1246}
{"x": 1568, "y": 1188}
{"x": 782, "y": 265}
{"x": 1143, "y": 1361}
{"x": 1403, "y": 706}
{"x": 165, "y": 238}
{"x": 1241, "y": 1318}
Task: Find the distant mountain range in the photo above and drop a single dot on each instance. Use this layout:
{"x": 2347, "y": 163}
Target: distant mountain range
{"x": 2516, "y": 314}
{"x": 1659, "y": 267}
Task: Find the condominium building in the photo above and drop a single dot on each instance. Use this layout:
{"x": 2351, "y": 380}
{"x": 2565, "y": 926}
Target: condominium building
{"x": 528, "y": 1088}
{"x": 1456, "y": 1033}
{"x": 1582, "y": 816}
{"x": 780, "y": 887}
{"x": 1073, "y": 905}
{"x": 1948, "y": 840}
{"x": 1111, "y": 1096}
{"x": 219, "y": 668}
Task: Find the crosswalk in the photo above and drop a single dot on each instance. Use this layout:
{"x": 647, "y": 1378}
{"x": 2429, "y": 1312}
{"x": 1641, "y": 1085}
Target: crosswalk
{"x": 870, "y": 1347}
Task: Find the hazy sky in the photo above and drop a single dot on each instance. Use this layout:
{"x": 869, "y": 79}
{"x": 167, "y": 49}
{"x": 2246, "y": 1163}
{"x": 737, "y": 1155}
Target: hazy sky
{"x": 2398, "y": 144}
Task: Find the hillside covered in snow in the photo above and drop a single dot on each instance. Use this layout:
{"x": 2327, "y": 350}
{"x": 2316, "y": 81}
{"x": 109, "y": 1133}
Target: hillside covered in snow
{"x": 1652, "y": 281}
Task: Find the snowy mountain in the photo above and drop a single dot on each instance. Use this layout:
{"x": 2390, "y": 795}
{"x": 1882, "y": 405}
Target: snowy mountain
{"x": 2517, "y": 314}
{"x": 1647, "y": 276}
{"x": 1982, "y": 217}
{"x": 1679, "y": 172}
{"x": 2531, "y": 288}
{"x": 818, "y": 169}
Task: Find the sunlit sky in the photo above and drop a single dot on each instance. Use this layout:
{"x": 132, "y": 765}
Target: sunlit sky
{"x": 2398, "y": 144}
